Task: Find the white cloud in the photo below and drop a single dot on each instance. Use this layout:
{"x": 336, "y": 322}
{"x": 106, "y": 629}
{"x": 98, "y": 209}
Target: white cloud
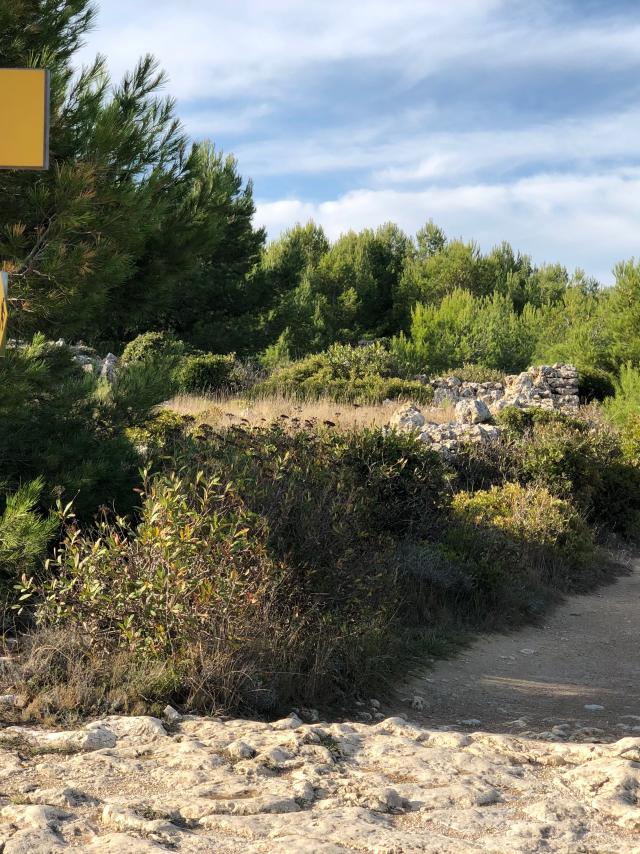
{"x": 235, "y": 66}
{"x": 254, "y": 48}
{"x": 397, "y": 155}
{"x": 590, "y": 220}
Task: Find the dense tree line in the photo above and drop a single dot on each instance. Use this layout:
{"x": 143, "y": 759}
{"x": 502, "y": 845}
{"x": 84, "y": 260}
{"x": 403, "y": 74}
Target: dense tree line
{"x": 134, "y": 229}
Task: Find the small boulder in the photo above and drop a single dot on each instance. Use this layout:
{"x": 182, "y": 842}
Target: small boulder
{"x": 472, "y": 411}
{"x": 408, "y": 417}
{"x": 109, "y": 367}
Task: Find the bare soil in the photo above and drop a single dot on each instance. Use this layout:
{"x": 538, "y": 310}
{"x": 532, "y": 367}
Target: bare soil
{"x": 585, "y": 653}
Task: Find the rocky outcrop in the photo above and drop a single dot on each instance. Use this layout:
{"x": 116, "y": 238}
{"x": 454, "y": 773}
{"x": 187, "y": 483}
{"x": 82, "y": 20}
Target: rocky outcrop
{"x": 546, "y": 387}
{"x": 451, "y": 390}
{"x": 91, "y": 362}
{"x": 407, "y": 417}
{"x": 447, "y": 439}
{"x": 139, "y": 784}
{"x": 472, "y": 411}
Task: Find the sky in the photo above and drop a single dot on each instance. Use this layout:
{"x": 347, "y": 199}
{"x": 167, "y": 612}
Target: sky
{"x": 513, "y": 120}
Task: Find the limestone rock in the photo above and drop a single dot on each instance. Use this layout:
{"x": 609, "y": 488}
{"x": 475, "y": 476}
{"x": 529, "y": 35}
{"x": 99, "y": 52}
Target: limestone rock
{"x": 407, "y": 417}
{"x": 472, "y": 411}
{"x": 247, "y": 786}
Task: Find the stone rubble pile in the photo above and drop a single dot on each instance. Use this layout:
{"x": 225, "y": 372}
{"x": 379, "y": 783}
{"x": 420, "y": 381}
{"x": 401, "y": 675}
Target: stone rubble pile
{"x": 546, "y": 386}
{"x": 91, "y": 362}
{"x": 446, "y": 439}
{"x": 195, "y": 784}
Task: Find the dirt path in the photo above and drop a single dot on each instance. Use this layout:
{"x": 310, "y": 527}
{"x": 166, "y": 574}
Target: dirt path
{"x": 587, "y": 653}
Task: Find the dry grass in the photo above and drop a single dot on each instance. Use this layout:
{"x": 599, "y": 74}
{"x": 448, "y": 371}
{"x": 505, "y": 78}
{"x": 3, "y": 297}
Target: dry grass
{"x": 223, "y": 412}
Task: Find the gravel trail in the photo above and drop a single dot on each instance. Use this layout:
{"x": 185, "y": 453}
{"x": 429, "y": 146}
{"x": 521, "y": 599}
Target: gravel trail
{"x": 581, "y": 667}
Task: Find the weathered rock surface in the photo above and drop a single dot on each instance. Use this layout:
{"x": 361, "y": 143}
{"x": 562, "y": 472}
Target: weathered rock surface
{"x": 446, "y": 439}
{"x": 544, "y": 387}
{"x": 472, "y": 411}
{"x": 407, "y": 417}
{"x": 241, "y": 786}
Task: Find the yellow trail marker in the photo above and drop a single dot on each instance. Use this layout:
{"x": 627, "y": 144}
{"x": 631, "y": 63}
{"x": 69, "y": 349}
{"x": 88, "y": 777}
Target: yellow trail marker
{"x": 24, "y": 118}
{"x": 4, "y": 310}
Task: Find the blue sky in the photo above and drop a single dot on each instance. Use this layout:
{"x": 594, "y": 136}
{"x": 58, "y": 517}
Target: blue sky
{"x": 499, "y": 119}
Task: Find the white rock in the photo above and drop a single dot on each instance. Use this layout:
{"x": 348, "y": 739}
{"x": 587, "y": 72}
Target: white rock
{"x": 240, "y": 750}
{"x": 407, "y": 417}
{"x": 291, "y": 722}
{"x": 472, "y": 411}
{"x": 171, "y": 715}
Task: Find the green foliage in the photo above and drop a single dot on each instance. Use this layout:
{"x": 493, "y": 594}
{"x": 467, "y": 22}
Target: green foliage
{"x": 179, "y": 575}
{"x": 276, "y": 566}
{"x": 529, "y": 514}
{"x": 579, "y": 461}
{"x": 522, "y": 540}
{"x": 625, "y": 403}
{"x": 359, "y": 486}
{"x": 159, "y": 437}
{"x": 630, "y": 440}
{"x": 478, "y": 373}
{"x": 465, "y": 329}
{"x": 53, "y": 425}
{"x": 136, "y": 389}
{"x": 24, "y": 534}
{"x": 348, "y": 374}
{"x": 278, "y": 353}
{"x": 152, "y": 345}
{"x": 622, "y": 314}
{"x": 205, "y": 372}
{"x": 623, "y": 410}
{"x": 129, "y": 229}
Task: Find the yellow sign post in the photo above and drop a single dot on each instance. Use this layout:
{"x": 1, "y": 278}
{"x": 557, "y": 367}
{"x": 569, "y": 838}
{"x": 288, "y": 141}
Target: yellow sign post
{"x": 24, "y": 139}
{"x": 4, "y": 311}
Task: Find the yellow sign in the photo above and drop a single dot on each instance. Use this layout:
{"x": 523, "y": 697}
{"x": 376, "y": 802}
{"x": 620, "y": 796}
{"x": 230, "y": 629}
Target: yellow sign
{"x": 4, "y": 310}
{"x": 24, "y": 118}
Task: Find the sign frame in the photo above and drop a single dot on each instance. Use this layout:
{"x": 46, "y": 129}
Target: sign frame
{"x": 46, "y": 125}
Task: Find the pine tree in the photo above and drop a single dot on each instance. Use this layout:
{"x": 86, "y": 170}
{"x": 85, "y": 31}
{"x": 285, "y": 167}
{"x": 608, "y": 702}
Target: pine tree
{"x": 109, "y": 241}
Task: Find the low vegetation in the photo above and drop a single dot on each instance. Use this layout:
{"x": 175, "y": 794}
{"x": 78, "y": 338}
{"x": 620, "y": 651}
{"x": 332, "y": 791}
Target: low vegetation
{"x": 228, "y": 523}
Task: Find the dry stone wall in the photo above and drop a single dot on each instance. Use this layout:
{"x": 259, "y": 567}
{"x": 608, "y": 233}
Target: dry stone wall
{"x": 550, "y": 387}
{"x": 553, "y": 387}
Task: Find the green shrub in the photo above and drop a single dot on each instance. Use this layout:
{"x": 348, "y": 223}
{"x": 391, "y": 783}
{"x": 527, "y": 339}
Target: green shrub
{"x": 331, "y": 500}
{"x": 160, "y": 436}
{"x": 362, "y": 375}
{"x": 153, "y": 346}
{"x": 25, "y": 534}
{"x": 625, "y": 403}
{"x": 137, "y": 388}
{"x": 630, "y": 440}
{"x": 205, "y": 372}
{"x": 191, "y": 587}
{"x": 595, "y": 384}
{"x": 53, "y": 425}
{"x": 295, "y": 601}
{"x": 196, "y": 554}
{"x": 577, "y": 460}
{"x": 473, "y": 373}
{"x": 522, "y": 545}
{"x": 347, "y": 362}
{"x": 530, "y": 515}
